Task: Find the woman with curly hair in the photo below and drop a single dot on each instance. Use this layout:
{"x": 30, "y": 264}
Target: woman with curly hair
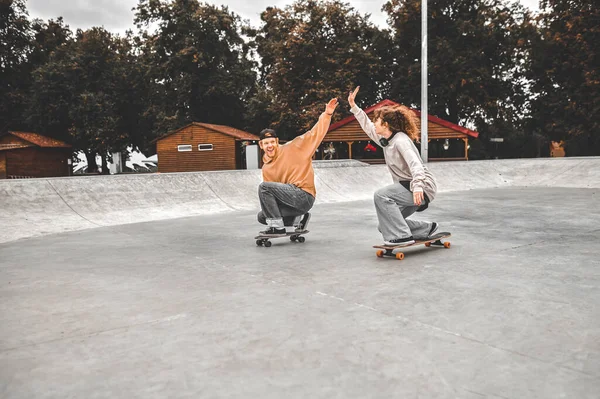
{"x": 394, "y": 128}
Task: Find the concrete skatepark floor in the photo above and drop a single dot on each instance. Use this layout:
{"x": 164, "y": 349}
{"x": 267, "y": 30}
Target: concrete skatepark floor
{"x": 191, "y": 307}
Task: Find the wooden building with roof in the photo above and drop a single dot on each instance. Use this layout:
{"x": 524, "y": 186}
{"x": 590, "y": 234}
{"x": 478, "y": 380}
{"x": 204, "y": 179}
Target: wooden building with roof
{"x": 27, "y": 155}
{"x": 447, "y": 141}
{"x": 201, "y": 147}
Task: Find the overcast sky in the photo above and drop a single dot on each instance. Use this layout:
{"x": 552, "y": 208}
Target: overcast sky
{"x": 116, "y": 15}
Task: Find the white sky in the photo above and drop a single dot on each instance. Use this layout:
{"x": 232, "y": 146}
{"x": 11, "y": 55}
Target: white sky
{"x": 116, "y": 15}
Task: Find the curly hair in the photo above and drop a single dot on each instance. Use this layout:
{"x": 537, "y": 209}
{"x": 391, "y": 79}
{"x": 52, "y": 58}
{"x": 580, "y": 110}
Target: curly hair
{"x": 399, "y": 119}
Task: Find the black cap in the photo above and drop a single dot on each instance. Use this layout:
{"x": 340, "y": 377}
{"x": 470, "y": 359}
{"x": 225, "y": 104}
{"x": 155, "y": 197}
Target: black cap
{"x": 267, "y": 133}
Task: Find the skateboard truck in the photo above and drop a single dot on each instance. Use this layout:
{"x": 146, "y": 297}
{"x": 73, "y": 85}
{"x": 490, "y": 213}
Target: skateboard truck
{"x": 263, "y": 240}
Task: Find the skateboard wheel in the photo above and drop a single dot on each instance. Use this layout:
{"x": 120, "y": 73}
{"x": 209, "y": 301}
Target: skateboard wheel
{"x": 267, "y": 244}
{"x": 446, "y": 245}
{"x": 293, "y": 238}
{"x": 380, "y": 254}
{"x": 427, "y": 244}
{"x": 301, "y": 239}
{"x": 399, "y": 256}
{"x": 259, "y": 242}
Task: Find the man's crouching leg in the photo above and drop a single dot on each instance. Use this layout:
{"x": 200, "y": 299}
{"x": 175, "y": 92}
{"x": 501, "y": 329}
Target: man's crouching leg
{"x": 270, "y": 213}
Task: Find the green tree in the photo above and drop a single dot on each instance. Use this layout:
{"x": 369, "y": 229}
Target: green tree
{"x": 476, "y": 53}
{"x": 93, "y": 110}
{"x": 49, "y": 101}
{"x": 134, "y": 94}
{"x": 47, "y": 38}
{"x": 15, "y": 46}
{"x": 565, "y": 70}
{"x": 310, "y": 52}
{"x": 197, "y": 62}
{"x": 85, "y": 94}
{"x": 52, "y": 95}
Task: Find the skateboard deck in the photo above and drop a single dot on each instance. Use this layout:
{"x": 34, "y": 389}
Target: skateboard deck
{"x": 388, "y": 250}
{"x": 263, "y": 239}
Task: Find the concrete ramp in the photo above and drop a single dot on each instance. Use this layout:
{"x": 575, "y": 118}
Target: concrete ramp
{"x": 351, "y": 184}
{"x": 237, "y": 189}
{"x": 41, "y": 206}
{"x": 538, "y": 172}
{"x": 36, "y": 207}
{"x": 109, "y": 200}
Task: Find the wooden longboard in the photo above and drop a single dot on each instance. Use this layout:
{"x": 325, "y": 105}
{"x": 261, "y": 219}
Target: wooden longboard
{"x": 388, "y": 250}
{"x": 263, "y": 239}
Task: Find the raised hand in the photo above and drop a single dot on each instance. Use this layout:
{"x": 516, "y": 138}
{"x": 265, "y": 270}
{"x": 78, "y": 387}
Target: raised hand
{"x": 331, "y": 106}
{"x": 352, "y": 96}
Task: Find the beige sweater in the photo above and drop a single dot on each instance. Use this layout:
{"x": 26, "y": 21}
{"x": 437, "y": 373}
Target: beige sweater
{"x": 293, "y": 162}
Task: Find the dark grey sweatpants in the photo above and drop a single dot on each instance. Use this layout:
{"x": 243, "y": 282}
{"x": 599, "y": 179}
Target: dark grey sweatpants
{"x": 282, "y": 203}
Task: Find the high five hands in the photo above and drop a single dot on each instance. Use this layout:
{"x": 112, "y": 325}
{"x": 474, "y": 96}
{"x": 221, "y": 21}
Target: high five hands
{"x": 331, "y": 106}
{"x": 352, "y": 96}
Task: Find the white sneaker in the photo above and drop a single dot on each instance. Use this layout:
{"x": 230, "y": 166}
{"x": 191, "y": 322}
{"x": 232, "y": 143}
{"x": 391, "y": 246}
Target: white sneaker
{"x": 434, "y": 229}
{"x": 303, "y": 223}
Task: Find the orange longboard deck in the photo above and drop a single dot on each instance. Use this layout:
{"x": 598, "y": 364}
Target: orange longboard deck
{"x": 387, "y": 250}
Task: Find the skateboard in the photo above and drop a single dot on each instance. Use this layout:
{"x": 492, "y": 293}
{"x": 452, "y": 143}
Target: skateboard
{"x": 387, "y": 250}
{"x": 263, "y": 239}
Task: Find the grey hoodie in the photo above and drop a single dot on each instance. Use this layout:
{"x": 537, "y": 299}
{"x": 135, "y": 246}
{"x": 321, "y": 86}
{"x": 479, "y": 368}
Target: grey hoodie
{"x": 401, "y": 156}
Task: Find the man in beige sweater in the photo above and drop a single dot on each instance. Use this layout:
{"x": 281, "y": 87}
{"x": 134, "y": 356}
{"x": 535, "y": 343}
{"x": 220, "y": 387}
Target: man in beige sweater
{"x": 288, "y": 191}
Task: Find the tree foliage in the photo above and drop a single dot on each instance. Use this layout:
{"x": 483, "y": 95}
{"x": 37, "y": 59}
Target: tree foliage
{"x": 312, "y": 51}
{"x": 475, "y": 61}
{"x": 197, "y": 61}
{"x": 15, "y": 46}
{"x": 565, "y": 70}
{"x": 492, "y": 67}
{"x": 83, "y": 94}
{"x": 49, "y": 99}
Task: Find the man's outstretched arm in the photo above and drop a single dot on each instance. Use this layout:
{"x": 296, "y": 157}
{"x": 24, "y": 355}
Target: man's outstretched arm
{"x": 310, "y": 141}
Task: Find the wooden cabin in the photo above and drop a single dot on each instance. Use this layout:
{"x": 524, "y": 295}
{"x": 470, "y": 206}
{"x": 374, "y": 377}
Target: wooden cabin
{"x": 202, "y": 146}
{"x": 27, "y": 155}
{"x": 346, "y": 140}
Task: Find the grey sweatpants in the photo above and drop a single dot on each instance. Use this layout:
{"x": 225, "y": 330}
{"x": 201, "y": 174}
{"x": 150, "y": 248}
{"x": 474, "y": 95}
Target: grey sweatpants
{"x": 282, "y": 203}
{"x": 394, "y": 204}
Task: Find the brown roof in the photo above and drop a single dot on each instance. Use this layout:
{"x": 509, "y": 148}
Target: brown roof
{"x": 4, "y": 147}
{"x": 40, "y": 140}
{"x": 228, "y": 130}
{"x": 430, "y": 118}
